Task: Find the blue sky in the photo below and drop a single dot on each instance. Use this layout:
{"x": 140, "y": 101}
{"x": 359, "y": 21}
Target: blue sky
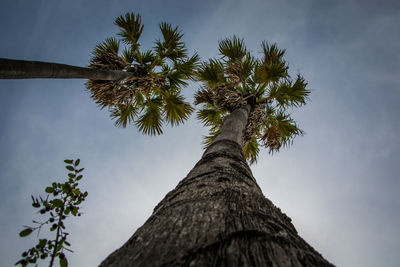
{"x": 339, "y": 183}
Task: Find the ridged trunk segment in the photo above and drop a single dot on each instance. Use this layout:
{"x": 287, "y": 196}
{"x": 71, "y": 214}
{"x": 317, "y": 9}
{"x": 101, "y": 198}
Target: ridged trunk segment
{"x": 21, "y": 69}
{"x": 217, "y": 216}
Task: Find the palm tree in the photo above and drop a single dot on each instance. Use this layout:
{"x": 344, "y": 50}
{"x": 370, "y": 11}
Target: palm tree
{"x": 217, "y": 215}
{"x": 139, "y": 87}
{"x": 263, "y": 85}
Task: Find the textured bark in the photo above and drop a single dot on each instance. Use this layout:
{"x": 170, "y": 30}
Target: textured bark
{"x": 21, "y": 69}
{"x": 217, "y": 216}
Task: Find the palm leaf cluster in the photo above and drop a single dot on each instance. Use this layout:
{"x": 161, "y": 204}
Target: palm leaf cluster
{"x": 236, "y": 79}
{"x": 150, "y": 96}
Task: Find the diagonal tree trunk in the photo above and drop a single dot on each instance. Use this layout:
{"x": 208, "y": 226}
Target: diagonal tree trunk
{"x": 21, "y": 69}
{"x": 217, "y": 216}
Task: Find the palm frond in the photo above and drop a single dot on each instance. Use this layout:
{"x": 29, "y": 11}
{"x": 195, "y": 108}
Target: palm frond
{"x": 105, "y": 56}
{"x": 131, "y": 28}
{"x": 251, "y": 85}
{"x": 176, "y": 79}
{"x": 211, "y": 73}
{"x": 142, "y": 58}
{"x": 248, "y": 66}
{"x": 176, "y": 109}
{"x": 124, "y": 114}
{"x": 232, "y": 48}
{"x": 272, "y": 53}
{"x": 110, "y": 45}
{"x": 287, "y": 93}
{"x": 187, "y": 66}
{"x": 171, "y": 46}
{"x": 259, "y": 91}
{"x": 210, "y": 116}
{"x": 209, "y": 139}
{"x": 147, "y": 57}
{"x": 140, "y": 99}
{"x": 272, "y": 67}
{"x": 251, "y": 150}
{"x": 150, "y": 122}
{"x": 298, "y": 94}
{"x": 288, "y": 128}
{"x": 277, "y": 91}
{"x": 129, "y": 55}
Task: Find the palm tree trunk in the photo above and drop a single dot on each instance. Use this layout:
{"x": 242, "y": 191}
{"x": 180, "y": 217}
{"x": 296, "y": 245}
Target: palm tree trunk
{"x": 21, "y": 69}
{"x": 217, "y": 216}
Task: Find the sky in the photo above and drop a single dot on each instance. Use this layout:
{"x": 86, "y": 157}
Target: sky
{"x": 339, "y": 183}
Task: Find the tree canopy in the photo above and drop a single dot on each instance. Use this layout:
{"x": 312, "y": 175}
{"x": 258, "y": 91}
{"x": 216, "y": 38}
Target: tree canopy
{"x": 237, "y": 78}
{"x": 152, "y": 96}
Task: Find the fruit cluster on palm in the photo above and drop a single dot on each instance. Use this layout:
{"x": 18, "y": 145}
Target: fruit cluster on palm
{"x": 237, "y": 79}
{"x": 152, "y": 94}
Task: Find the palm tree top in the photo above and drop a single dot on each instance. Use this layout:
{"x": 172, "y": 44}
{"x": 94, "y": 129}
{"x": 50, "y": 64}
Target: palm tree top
{"x": 151, "y": 96}
{"x": 237, "y": 78}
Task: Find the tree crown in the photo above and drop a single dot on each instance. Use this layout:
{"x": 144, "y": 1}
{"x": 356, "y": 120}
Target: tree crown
{"x": 152, "y": 95}
{"x": 236, "y": 79}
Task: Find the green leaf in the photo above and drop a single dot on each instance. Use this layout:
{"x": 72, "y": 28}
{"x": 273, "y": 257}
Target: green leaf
{"x": 232, "y": 48}
{"x": 171, "y": 46}
{"x": 208, "y": 139}
{"x": 110, "y": 45}
{"x": 49, "y": 190}
{"x": 150, "y": 123}
{"x": 176, "y": 78}
{"x": 105, "y": 56}
{"x": 131, "y": 28}
{"x": 251, "y": 150}
{"x": 79, "y": 177}
{"x": 124, "y": 114}
{"x": 176, "y": 109}
{"x": 66, "y": 211}
{"x": 42, "y": 242}
{"x": 77, "y": 162}
{"x": 211, "y": 73}
{"x": 146, "y": 57}
{"x": 57, "y": 203}
{"x": 209, "y": 116}
{"x": 188, "y": 66}
{"x": 63, "y": 262}
{"x": 25, "y": 232}
{"x": 74, "y": 211}
{"x": 272, "y": 67}
{"x": 68, "y": 161}
{"x": 71, "y": 175}
{"x": 60, "y": 245}
{"x": 70, "y": 168}
{"x": 129, "y": 55}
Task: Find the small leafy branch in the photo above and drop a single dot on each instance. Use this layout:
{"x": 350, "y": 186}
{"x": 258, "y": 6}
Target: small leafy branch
{"x": 62, "y": 200}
